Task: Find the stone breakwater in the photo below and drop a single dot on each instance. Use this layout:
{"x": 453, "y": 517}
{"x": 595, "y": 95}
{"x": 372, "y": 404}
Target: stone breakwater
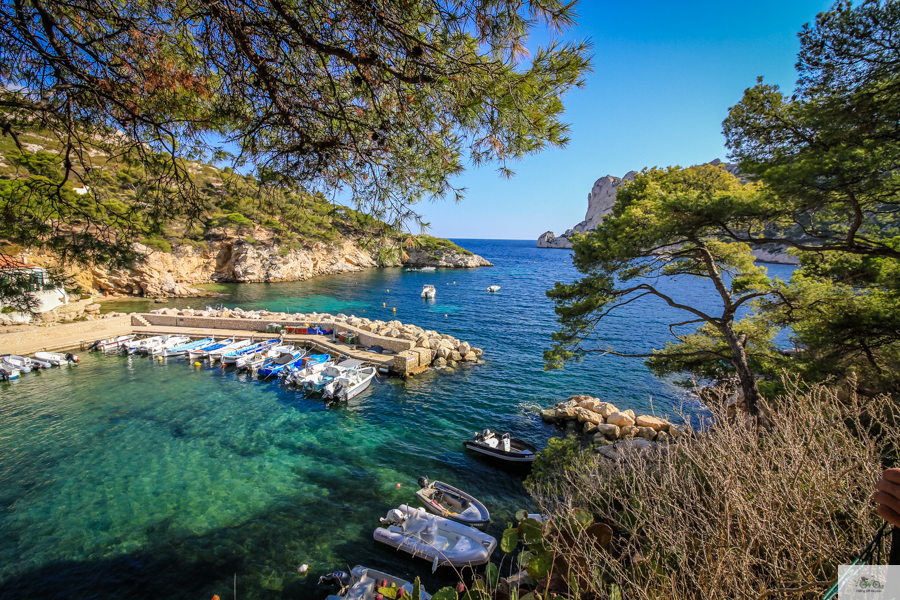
{"x": 614, "y": 429}
{"x": 414, "y": 348}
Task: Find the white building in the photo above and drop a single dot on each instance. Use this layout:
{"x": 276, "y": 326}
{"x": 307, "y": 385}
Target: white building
{"x": 49, "y": 295}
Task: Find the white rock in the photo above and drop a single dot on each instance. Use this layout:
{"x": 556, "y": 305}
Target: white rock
{"x": 622, "y": 419}
{"x": 655, "y": 422}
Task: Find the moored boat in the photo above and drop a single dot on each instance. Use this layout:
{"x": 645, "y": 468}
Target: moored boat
{"x": 112, "y": 344}
{"x": 261, "y": 357}
{"x": 428, "y": 292}
{"x": 7, "y": 372}
{"x": 217, "y": 354}
{"x": 307, "y": 367}
{"x": 13, "y": 361}
{"x": 183, "y": 349}
{"x": 319, "y": 380}
{"x": 350, "y": 384}
{"x": 133, "y": 345}
{"x": 502, "y": 447}
{"x": 436, "y": 539}
{"x": 283, "y": 361}
{"x": 232, "y": 357}
{"x": 493, "y": 288}
{"x": 203, "y": 351}
{"x": 56, "y": 358}
{"x": 171, "y": 342}
{"x": 446, "y": 501}
{"x": 363, "y": 584}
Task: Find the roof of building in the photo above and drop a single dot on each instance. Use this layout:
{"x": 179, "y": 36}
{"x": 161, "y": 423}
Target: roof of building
{"x": 10, "y": 262}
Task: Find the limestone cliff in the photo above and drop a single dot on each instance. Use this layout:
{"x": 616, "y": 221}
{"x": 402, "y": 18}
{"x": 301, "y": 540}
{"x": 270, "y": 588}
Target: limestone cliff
{"x": 172, "y": 274}
{"x": 601, "y": 199}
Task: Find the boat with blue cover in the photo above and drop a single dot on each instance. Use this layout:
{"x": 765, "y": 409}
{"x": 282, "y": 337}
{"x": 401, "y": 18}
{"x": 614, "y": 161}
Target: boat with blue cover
{"x": 232, "y": 357}
{"x": 279, "y": 363}
{"x": 185, "y": 348}
{"x": 203, "y": 351}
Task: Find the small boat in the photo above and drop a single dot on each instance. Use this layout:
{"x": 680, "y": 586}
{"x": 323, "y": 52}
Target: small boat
{"x": 428, "y": 292}
{"x": 308, "y": 366}
{"x": 173, "y": 342}
{"x": 56, "y": 358}
{"x": 428, "y": 269}
{"x": 112, "y": 344}
{"x": 362, "y": 584}
{"x": 434, "y": 538}
{"x": 12, "y": 361}
{"x": 261, "y": 357}
{"x": 451, "y": 503}
{"x": 203, "y": 351}
{"x": 282, "y": 362}
{"x": 503, "y": 447}
{"x": 350, "y": 384}
{"x": 138, "y": 345}
{"x": 493, "y": 288}
{"x": 37, "y": 363}
{"x": 185, "y": 348}
{"x": 7, "y": 372}
{"x": 319, "y": 380}
{"x": 232, "y": 357}
{"x": 215, "y": 355}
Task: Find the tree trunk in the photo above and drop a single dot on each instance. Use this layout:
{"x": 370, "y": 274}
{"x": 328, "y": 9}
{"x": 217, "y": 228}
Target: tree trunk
{"x": 745, "y": 376}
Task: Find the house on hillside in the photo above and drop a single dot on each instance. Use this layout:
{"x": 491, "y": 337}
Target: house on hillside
{"x": 49, "y": 295}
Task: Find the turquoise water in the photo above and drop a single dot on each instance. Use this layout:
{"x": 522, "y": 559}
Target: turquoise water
{"x": 128, "y": 476}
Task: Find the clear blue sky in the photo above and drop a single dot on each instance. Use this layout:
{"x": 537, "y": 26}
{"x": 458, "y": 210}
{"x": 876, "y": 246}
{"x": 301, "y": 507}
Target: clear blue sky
{"x": 664, "y": 76}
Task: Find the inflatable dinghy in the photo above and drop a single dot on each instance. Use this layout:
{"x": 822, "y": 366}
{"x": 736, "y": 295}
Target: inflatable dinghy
{"x": 434, "y": 538}
{"x": 362, "y": 584}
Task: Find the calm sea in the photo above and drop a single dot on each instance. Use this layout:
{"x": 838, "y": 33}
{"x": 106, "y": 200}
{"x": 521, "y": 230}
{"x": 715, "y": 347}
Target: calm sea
{"x": 129, "y": 477}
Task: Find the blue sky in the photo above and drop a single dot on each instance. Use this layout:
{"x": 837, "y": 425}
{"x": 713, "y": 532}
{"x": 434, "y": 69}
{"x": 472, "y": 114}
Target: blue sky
{"x": 664, "y": 76}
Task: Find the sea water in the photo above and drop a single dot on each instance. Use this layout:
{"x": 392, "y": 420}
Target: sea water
{"x": 132, "y": 477}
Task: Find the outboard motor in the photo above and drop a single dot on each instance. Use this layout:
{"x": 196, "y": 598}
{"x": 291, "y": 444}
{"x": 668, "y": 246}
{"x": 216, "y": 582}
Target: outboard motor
{"x": 4, "y": 375}
{"x": 505, "y": 443}
{"x": 71, "y": 358}
{"x": 394, "y": 517}
{"x": 337, "y": 579}
{"x": 423, "y": 482}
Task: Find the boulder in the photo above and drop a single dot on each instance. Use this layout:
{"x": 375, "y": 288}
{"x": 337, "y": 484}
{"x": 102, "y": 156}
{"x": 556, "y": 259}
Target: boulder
{"x": 440, "y": 361}
{"x": 629, "y": 431}
{"x": 464, "y": 348}
{"x": 548, "y": 415}
{"x": 589, "y": 404}
{"x": 605, "y": 409}
{"x": 566, "y": 412}
{"x": 442, "y": 352}
{"x": 567, "y": 404}
{"x": 607, "y": 430}
{"x": 589, "y": 427}
{"x": 579, "y": 398}
{"x": 92, "y": 308}
{"x": 627, "y": 448}
{"x": 622, "y": 419}
{"x": 470, "y": 357}
{"x": 648, "y": 433}
{"x": 455, "y": 356}
{"x": 587, "y": 416}
{"x": 478, "y": 352}
{"x": 655, "y": 423}
{"x": 629, "y": 412}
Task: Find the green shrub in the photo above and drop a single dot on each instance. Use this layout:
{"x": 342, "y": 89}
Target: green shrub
{"x": 157, "y": 243}
{"x": 238, "y": 219}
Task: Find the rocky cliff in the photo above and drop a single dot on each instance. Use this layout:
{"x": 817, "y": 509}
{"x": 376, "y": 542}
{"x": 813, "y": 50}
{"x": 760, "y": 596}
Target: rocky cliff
{"x": 601, "y": 199}
{"x": 172, "y": 274}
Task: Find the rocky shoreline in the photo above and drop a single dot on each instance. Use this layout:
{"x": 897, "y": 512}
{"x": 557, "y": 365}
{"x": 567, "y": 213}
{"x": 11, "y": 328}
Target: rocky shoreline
{"x": 173, "y": 274}
{"x": 615, "y": 431}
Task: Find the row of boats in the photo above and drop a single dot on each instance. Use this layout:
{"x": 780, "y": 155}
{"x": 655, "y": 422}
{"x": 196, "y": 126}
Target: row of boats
{"x": 13, "y": 365}
{"x": 337, "y": 380}
{"x": 429, "y": 292}
{"x": 446, "y": 532}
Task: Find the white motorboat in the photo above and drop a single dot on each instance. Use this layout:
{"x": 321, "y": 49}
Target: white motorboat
{"x": 56, "y": 358}
{"x": 428, "y": 292}
{"x": 266, "y": 352}
{"x": 428, "y": 269}
{"x": 215, "y": 355}
{"x": 187, "y": 347}
{"x": 139, "y": 345}
{"x": 310, "y": 366}
{"x": 231, "y": 358}
{"x": 493, "y": 288}
{"x": 434, "y": 538}
{"x": 363, "y": 583}
{"x": 350, "y": 384}
{"x": 172, "y": 342}
{"x": 112, "y": 344}
{"x": 13, "y": 361}
{"x": 319, "y": 380}
{"x": 502, "y": 447}
{"x": 452, "y": 503}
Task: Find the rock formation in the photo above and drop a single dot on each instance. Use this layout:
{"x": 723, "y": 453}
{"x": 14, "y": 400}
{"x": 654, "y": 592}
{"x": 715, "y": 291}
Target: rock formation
{"x": 601, "y": 199}
{"x": 172, "y": 274}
